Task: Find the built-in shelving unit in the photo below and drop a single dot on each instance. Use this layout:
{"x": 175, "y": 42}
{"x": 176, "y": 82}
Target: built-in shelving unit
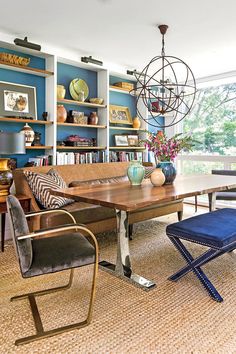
{"x": 120, "y": 90}
{"x": 21, "y": 120}
{"x": 83, "y": 104}
{"x": 123, "y": 128}
{"x": 25, "y": 69}
{"x": 39, "y": 147}
{"x": 97, "y": 126}
{"x": 127, "y": 148}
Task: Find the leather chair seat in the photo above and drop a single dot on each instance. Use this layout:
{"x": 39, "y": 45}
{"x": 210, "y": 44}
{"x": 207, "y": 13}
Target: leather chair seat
{"x": 63, "y": 252}
{"x": 216, "y": 229}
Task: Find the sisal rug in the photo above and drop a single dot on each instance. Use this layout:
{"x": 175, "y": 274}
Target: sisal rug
{"x": 172, "y": 318}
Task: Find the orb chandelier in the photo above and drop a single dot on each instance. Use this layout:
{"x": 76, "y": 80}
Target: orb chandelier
{"x": 167, "y": 88}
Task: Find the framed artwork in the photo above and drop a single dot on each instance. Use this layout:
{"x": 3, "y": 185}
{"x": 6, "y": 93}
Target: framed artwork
{"x": 132, "y": 139}
{"x": 119, "y": 115}
{"x": 121, "y": 140}
{"x": 17, "y": 101}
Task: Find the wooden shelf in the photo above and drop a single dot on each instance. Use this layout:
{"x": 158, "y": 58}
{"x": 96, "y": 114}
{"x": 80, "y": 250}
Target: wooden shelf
{"x": 121, "y": 90}
{"x": 127, "y": 148}
{"x": 123, "y": 128}
{"x": 19, "y": 120}
{"x": 41, "y": 147}
{"x": 81, "y": 147}
{"x": 82, "y": 125}
{"x": 79, "y": 103}
{"x": 25, "y": 69}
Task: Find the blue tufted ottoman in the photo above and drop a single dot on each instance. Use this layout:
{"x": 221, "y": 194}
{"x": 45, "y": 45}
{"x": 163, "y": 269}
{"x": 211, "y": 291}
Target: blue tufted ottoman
{"x": 216, "y": 230}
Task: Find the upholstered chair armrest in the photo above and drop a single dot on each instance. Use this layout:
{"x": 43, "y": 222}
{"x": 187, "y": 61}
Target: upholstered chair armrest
{"x": 56, "y": 229}
{"x": 42, "y": 212}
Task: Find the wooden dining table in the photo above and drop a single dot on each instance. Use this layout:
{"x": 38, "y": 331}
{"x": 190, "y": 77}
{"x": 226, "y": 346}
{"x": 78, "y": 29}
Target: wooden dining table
{"x": 125, "y": 198}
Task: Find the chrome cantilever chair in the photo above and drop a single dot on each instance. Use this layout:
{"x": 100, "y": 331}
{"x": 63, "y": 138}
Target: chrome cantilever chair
{"x": 215, "y": 230}
{"x": 68, "y": 249}
{"x": 229, "y": 194}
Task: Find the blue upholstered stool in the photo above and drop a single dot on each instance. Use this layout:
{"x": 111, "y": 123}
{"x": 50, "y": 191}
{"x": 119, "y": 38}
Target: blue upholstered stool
{"x": 216, "y": 230}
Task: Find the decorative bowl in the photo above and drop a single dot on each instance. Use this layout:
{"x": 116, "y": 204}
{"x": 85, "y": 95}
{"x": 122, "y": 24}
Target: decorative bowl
{"x": 78, "y": 88}
{"x": 96, "y": 100}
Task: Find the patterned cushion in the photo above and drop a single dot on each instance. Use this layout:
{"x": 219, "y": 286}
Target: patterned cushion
{"x": 148, "y": 171}
{"x": 41, "y": 184}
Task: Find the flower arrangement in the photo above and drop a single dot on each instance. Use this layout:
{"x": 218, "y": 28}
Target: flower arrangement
{"x": 165, "y": 149}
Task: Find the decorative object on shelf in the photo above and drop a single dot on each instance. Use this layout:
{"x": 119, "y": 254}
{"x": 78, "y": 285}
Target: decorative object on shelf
{"x": 76, "y": 140}
{"x": 77, "y": 86}
{"x": 24, "y": 43}
{"x": 136, "y": 123}
{"x": 135, "y": 173}
{"x": 133, "y": 139}
{"x": 10, "y": 143}
{"x": 168, "y": 82}
{"x": 157, "y": 177}
{"x": 37, "y": 139}
{"x": 45, "y": 116}
{"x": 124, "y": 85}
{"x": 14, "y": 59}
{"x": 90, "y": 59}
{"x": 77, "y": 117}
{"x": 168, "y": 170}
{"x": 96, "y": 100}
{"x": 61, "y": 113}
{"x": 29, "y": 134}
{"x": 93, "y": 118}
{"x": 17, "y": 101}
{"x": 120, "y": 115}
{"x": 61, "y": 92}
{"x": 121, "y": 140}
{"x": 60, "y": 143}
{"x": 166, "y": 149}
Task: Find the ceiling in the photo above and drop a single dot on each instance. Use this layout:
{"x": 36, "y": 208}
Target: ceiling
{"x": 202, "y": 33}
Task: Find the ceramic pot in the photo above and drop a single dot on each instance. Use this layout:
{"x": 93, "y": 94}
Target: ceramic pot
{"x": 61, "y": 113}
{"x": 93, "y": 118}
{"x": 61, "y": 92}
{"x": 5, "y": 179}
{"x": 135, "y": 173}
{"x": 169, "y": 171}
{"x": 29, "y": 134}
{"x": 136, "y": 123}
{"x": 157, "y": 177}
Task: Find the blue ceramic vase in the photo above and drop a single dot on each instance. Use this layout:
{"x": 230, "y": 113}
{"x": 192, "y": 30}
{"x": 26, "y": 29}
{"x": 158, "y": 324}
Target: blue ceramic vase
{"x": 169, "y": 171}
{"x": 135, "y": 173}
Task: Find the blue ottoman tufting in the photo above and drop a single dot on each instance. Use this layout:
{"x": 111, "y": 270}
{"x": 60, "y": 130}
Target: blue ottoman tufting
{"x": 216, "y": 230}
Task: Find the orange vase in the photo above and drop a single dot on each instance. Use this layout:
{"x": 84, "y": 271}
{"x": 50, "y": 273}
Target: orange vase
{"x": 61, "y": 113}
{"x": 136, "y": 123}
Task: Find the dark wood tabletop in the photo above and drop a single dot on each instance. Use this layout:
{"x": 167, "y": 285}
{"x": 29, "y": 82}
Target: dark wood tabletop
{"x": 125, "y": 197}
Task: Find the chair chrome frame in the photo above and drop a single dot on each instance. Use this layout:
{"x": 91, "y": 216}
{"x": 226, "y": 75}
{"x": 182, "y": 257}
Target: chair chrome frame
{"x": 40, "y": 332}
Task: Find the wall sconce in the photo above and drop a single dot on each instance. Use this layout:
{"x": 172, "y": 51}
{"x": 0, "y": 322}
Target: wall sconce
{"x": 91, "y": 60}
{"x": 24, "y": 43}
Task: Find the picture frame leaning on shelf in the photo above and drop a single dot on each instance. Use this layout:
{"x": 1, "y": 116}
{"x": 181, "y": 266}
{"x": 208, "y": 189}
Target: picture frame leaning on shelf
{"x": 120, "y": 115}
{"x": 17, "y": 101}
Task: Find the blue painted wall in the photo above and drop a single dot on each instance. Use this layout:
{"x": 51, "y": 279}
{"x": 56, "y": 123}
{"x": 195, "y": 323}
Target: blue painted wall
{"x": 31, "y": 80}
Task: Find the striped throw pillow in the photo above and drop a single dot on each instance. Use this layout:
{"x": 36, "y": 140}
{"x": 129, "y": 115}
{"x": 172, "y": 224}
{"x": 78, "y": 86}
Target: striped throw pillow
{"x": 42, "y": 183}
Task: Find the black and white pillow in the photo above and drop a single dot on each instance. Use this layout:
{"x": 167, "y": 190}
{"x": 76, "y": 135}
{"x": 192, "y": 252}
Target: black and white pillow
{"x": 42, "y": 183}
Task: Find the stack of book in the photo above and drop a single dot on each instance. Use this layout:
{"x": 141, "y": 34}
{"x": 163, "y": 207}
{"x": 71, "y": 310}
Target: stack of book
{"x": 71, "y": 158}
{"x": 120, "y": 156}
{"x": 42, "y": 160}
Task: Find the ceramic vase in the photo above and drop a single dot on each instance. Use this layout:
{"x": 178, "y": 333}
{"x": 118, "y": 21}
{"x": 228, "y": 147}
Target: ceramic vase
{"x": 29, "y": 134}
{"x": 61, "y": 113}
{"x": 135, "y": 173}
{"x": 136, "y": 123}
{"x": 61, "y": 92}
{"x": 157, "y": 177}
{"x": 169, "y": 171}
{"x": 93, "y": 118}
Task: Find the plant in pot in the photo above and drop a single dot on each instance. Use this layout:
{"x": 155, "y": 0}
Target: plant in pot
{"x": 166, "y": 149}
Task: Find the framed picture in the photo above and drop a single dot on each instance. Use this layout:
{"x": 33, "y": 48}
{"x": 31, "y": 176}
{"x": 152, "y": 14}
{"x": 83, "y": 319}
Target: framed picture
{"x": 119, "y": 115}
{"x": 17, "y": 101}
{"x": 121, "y": 140}
{"x": 132, "y": 139}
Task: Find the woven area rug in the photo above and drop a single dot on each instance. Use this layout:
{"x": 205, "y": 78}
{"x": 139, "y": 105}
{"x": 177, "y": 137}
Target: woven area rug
{"x": 172, "y": 318}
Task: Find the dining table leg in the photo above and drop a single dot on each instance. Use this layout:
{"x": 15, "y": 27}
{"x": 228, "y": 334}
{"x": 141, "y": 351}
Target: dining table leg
{"x": 123, "y": 268}
{"x": 212, "y": 201}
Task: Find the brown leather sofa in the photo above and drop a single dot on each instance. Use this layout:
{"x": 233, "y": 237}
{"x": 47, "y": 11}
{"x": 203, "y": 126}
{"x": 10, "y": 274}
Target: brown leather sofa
{"x": 98, "y": 219}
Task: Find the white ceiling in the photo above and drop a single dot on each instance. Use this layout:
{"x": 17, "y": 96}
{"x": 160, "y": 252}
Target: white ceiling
{"x": 202, "y": 33}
